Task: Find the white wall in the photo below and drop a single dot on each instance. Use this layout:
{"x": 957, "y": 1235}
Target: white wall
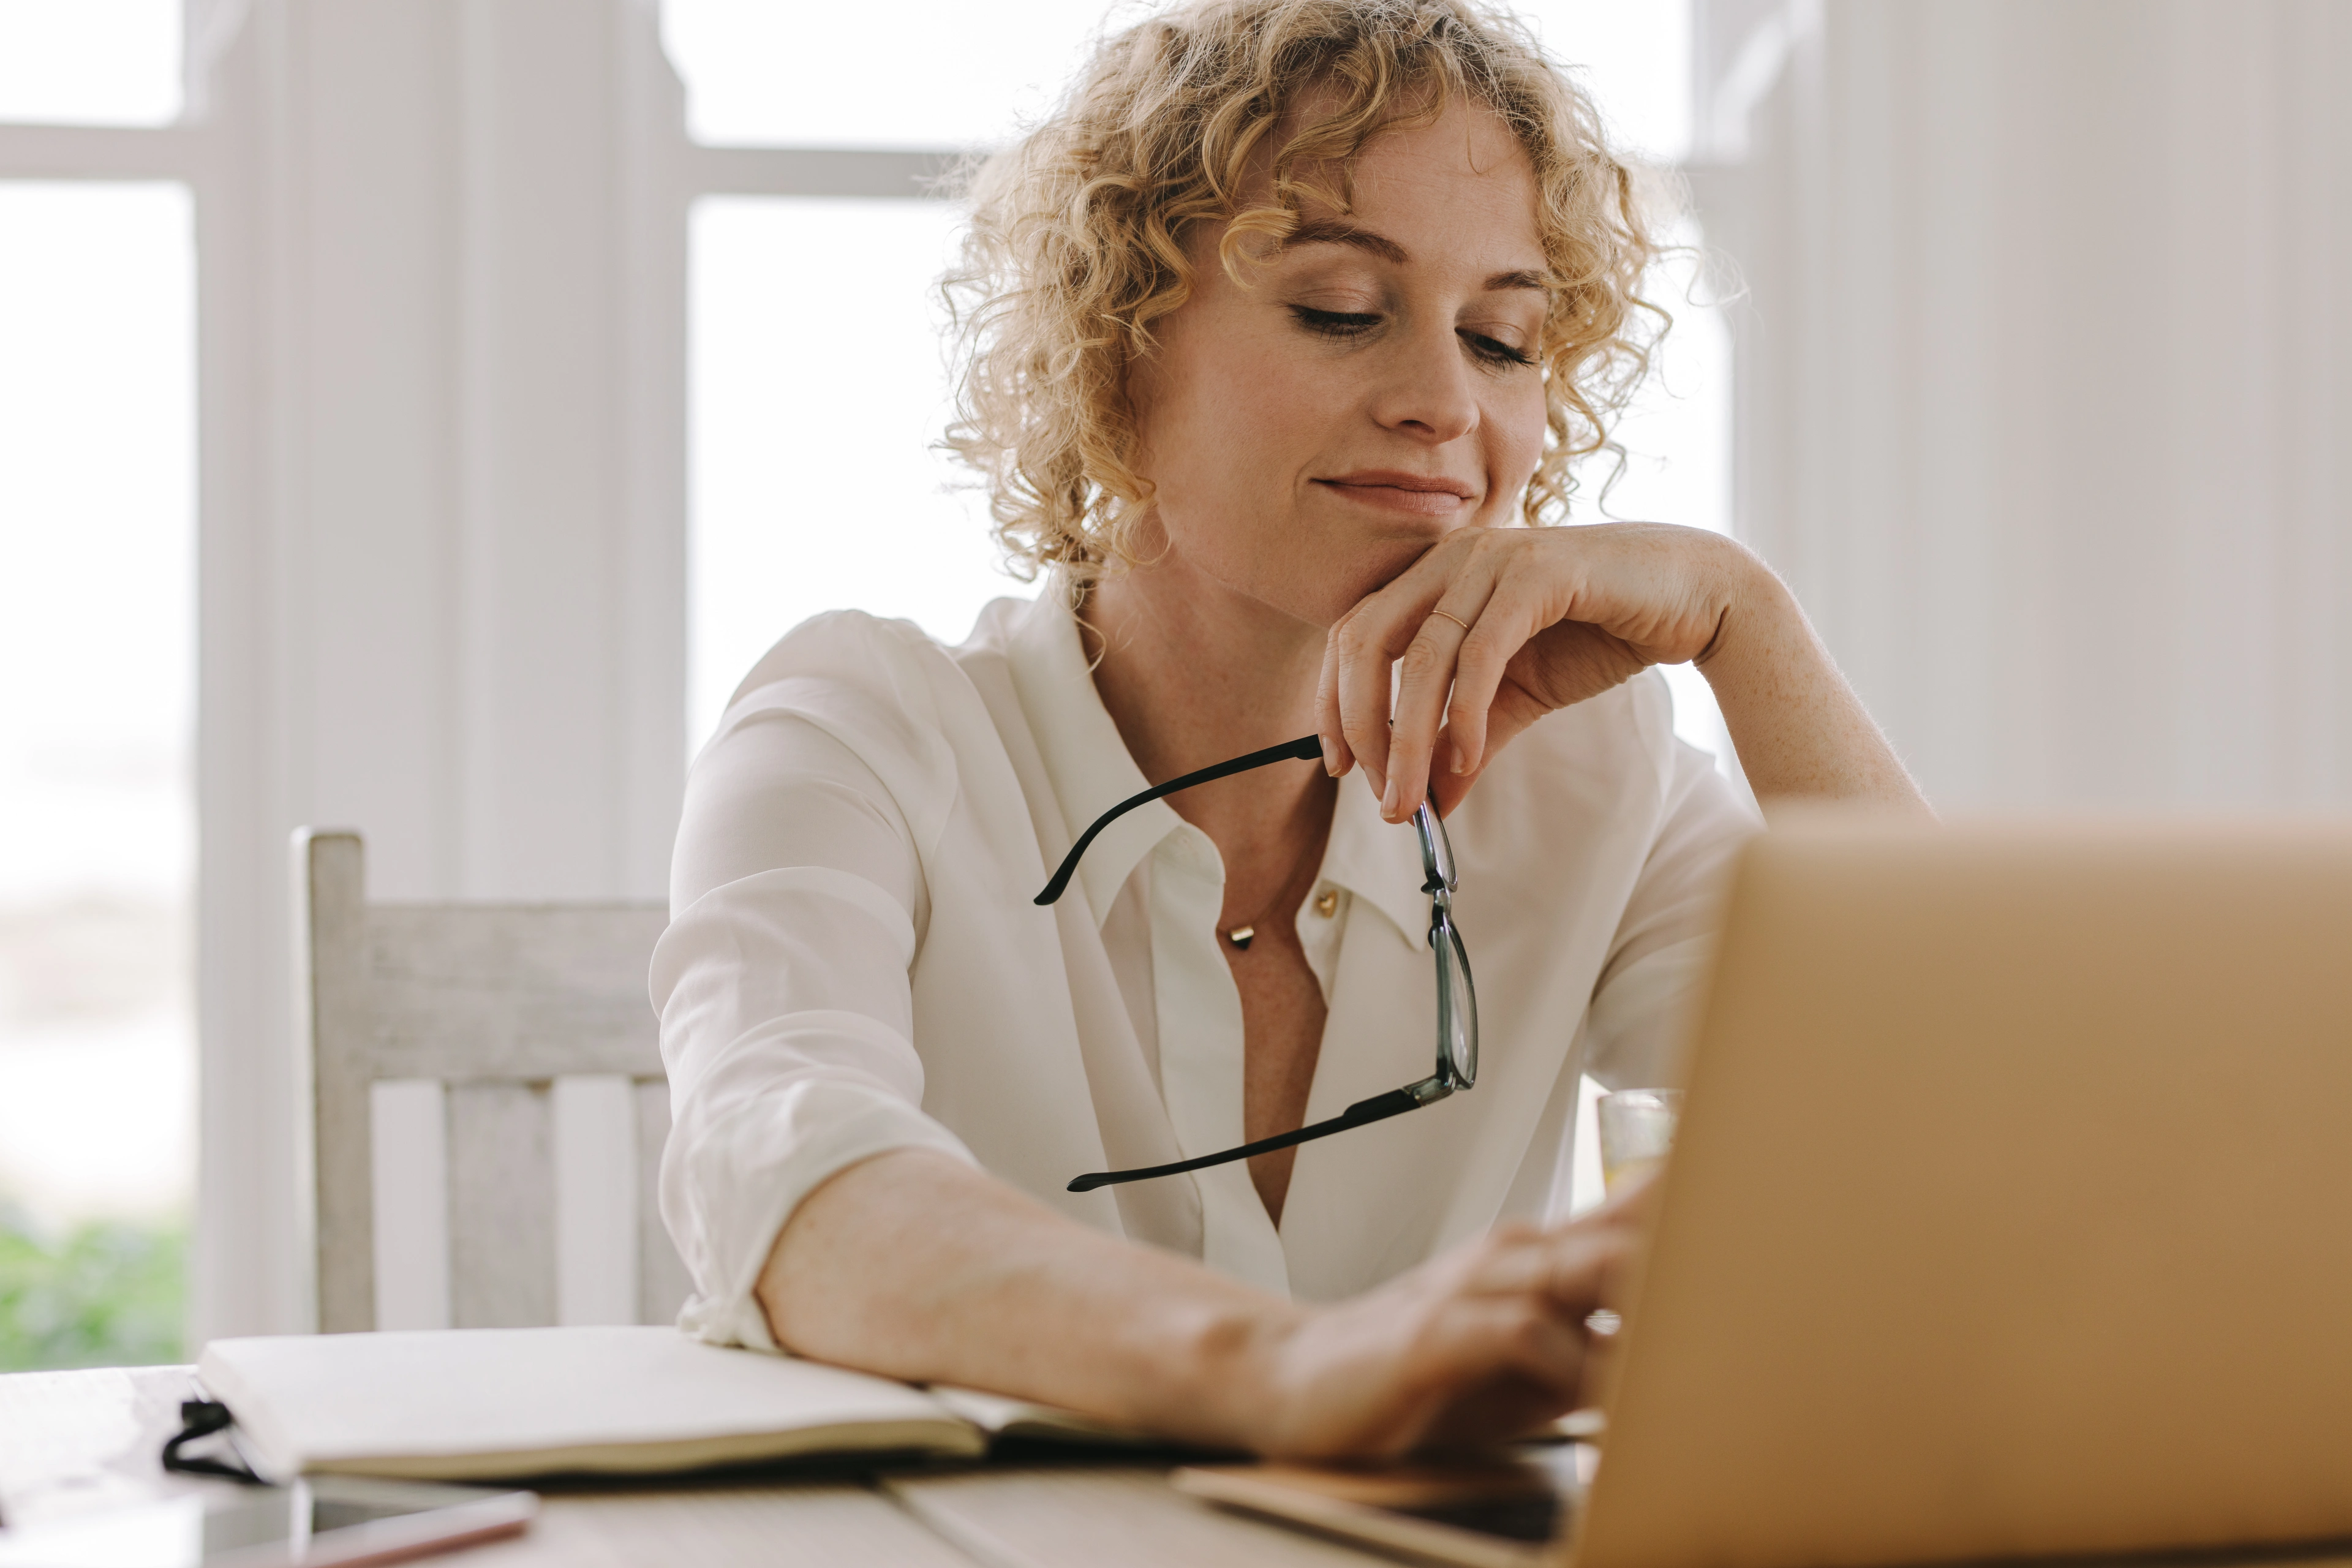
{"x": 2044, "y": 374}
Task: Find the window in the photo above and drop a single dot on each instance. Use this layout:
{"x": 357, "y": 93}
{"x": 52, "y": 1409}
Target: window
{"x": 97, "y": 813}
{"x": 957, "y": 75}
{"x": 89, "y": 62}
{"x": 817, "y": 391}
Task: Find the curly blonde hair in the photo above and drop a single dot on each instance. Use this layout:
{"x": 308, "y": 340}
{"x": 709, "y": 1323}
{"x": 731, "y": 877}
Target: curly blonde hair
{"x": 1077, "y": 241}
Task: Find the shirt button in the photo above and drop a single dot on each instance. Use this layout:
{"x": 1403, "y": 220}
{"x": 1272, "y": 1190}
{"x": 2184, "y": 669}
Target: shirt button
{"x": 1326, "y": 903}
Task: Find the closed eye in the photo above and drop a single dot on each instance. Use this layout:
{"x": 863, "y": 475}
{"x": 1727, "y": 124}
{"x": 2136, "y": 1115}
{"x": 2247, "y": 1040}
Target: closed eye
{"x": 1349, "y": 324}
{"x": 1496, "y": 352}
{"x": 1334, "y": 323}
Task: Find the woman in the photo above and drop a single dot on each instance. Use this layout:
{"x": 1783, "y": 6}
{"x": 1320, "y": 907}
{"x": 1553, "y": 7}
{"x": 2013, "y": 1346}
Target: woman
{"x": 1277, "y": 333}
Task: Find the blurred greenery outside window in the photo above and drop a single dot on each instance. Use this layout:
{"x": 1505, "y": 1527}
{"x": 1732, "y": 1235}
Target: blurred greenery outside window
{"x": 105, "y": 1293}
{"x": 96, "y": 662}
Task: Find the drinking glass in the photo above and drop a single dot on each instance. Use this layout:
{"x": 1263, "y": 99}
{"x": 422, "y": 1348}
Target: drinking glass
{"x": 1637, "y": 1128}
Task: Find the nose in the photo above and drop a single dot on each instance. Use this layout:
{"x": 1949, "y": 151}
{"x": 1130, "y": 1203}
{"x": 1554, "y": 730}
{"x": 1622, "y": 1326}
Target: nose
{"x": 1428, "y": 394}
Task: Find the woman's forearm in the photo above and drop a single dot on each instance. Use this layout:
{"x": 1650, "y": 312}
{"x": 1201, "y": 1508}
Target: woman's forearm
{"x": 918, "y": 1267}
{"x": 915, "y": 1266}
{"x": 1799, "y": 730}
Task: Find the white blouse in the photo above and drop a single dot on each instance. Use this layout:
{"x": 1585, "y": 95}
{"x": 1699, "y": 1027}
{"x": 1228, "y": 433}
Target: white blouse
{"x": 854, "y": 962}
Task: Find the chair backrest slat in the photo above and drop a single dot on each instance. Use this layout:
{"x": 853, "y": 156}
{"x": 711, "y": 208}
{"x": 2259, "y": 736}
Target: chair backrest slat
{"x": 513, "y": 992}
{"x": 502, "y": 1252}
{"x": 496, "y": 1002}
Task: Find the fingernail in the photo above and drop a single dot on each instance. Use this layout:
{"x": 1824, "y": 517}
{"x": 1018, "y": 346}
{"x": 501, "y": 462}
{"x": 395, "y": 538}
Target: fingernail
{"x": 1461, "y": 764}
{"x": 1388, "y": 799}
{"x": 1331, "y": 758}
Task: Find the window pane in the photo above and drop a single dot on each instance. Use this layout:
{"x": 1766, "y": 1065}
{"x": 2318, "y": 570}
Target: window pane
{"x": 1635, "y": 60}
{"x": 89, "y": 62}
{"x": 818, "y": 388}
{"x": 97, "y": 831}
{"x": 954, "y": 74}
{"x": 962, "y": 75}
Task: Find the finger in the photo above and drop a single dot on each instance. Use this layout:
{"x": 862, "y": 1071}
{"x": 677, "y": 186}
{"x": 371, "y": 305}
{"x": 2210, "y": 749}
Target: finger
{"x": 1505, "y": 623}
{"x": 1524, "y": 1344}
{"x": 1336, "y": 757}
{"x": 1424, "y": 675}
{"x": 1360, "y": 652}
{"x": 1561, "y": 1268}
{"x": 1370, "y": 638}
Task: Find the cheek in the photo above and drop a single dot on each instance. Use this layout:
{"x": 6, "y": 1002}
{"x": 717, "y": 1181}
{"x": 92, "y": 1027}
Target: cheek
{"x": 1227, "y": 430}
{"x": 1519, "y": 429}
{"x": 1246, "y": 412}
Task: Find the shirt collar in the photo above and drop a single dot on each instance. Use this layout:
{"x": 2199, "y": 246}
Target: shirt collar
{"x": 1090, "y": 769}
{"x": 1085, "y": 759}
{"x": 1378, "y": 862}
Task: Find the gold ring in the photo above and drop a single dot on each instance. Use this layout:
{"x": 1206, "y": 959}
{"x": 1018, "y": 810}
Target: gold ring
{"x": 1457, "y": 620}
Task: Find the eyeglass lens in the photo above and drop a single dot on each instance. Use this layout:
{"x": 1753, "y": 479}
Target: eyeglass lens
{"x": 1437, "y": 849}
{"x": 1457, "y": 1005}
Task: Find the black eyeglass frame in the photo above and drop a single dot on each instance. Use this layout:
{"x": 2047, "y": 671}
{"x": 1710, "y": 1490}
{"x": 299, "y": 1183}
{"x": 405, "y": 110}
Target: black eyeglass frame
{"x": 1458, "y": 1012}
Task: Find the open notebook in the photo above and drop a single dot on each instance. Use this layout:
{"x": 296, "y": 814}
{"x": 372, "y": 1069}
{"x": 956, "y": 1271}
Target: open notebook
{"x": 478, "y": 1403}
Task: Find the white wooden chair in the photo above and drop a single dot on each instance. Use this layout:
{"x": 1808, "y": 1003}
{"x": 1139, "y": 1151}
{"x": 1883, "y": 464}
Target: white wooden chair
{"x": 488, "y": 1106}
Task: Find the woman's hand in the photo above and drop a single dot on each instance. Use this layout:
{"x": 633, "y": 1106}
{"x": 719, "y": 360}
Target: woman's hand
{"x": 1484, "y": 1343}
{"x": 1494, "y": 627}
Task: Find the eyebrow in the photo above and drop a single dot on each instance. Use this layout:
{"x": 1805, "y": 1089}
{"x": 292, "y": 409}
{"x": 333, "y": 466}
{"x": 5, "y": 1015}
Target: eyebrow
{"x": 1325, "y": 231}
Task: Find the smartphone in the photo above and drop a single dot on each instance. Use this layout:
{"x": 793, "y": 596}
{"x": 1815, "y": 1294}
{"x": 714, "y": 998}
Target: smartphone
{"x": 322, "y": 1521}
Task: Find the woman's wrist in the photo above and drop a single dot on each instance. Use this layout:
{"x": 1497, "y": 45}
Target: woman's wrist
{"x": 1227, "y": 1384}
{"x": 1750, "y": 599}
{"x": 1799, "y": 730}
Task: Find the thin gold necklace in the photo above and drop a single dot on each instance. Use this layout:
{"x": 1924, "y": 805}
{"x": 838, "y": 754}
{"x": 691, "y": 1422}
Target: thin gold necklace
{"x": 1241, "y": 936}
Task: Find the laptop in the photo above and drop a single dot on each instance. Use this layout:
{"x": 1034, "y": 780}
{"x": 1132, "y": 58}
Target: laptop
{"x": 2010, "y": 1212}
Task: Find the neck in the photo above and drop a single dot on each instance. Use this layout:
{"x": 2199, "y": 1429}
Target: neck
{"x": 1193, "y": 673}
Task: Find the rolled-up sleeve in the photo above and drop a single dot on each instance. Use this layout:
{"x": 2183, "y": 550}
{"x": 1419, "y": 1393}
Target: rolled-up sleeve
{"x": 781, "y": 986}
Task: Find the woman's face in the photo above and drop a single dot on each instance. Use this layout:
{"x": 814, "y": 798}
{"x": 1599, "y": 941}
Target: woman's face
{"x": 1372, "y": 389}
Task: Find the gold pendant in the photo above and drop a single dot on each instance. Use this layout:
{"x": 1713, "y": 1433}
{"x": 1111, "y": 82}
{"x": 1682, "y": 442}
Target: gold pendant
{"x": 1240, "y": 936}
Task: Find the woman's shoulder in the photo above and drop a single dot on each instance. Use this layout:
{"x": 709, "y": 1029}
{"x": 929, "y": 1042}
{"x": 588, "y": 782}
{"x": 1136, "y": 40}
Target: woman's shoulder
{"x": 893, "y": 661}
{"x": 849, "y": 648}
{"x": 896, "y": 700}
{"x": 881, "y": 690}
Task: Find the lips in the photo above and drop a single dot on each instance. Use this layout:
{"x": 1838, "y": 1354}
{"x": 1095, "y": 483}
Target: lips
{"x": 1392, "y": 479}
{"x": 1402, "y": 494}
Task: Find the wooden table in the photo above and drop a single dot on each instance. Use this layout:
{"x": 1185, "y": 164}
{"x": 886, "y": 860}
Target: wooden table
{"x": 72, "y": 1441}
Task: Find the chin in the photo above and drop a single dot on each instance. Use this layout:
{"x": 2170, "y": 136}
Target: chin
{"x": 1331, "y": 584}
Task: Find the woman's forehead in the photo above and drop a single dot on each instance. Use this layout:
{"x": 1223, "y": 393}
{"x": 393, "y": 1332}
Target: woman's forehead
{"x": 1425, "y": 190}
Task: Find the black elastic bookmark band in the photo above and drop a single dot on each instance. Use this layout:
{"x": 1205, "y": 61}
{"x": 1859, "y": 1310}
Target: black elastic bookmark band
{"x": 1305, "y": 749}
{"x": 203, "y": 1418}
{"x": 1380, "y": 1108}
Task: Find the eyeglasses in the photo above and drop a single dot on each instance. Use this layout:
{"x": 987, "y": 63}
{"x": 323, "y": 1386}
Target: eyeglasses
{"x": 1457, "y": 999}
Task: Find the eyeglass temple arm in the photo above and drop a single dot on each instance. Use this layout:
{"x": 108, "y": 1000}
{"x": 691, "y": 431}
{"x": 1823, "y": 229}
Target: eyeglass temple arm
{"x": 1305, "y": 749}
{"x": 1380, "y": 1108}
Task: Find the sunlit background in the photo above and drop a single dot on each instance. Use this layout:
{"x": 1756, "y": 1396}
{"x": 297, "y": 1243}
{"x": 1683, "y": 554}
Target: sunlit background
{"x": 817, "y": 393}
